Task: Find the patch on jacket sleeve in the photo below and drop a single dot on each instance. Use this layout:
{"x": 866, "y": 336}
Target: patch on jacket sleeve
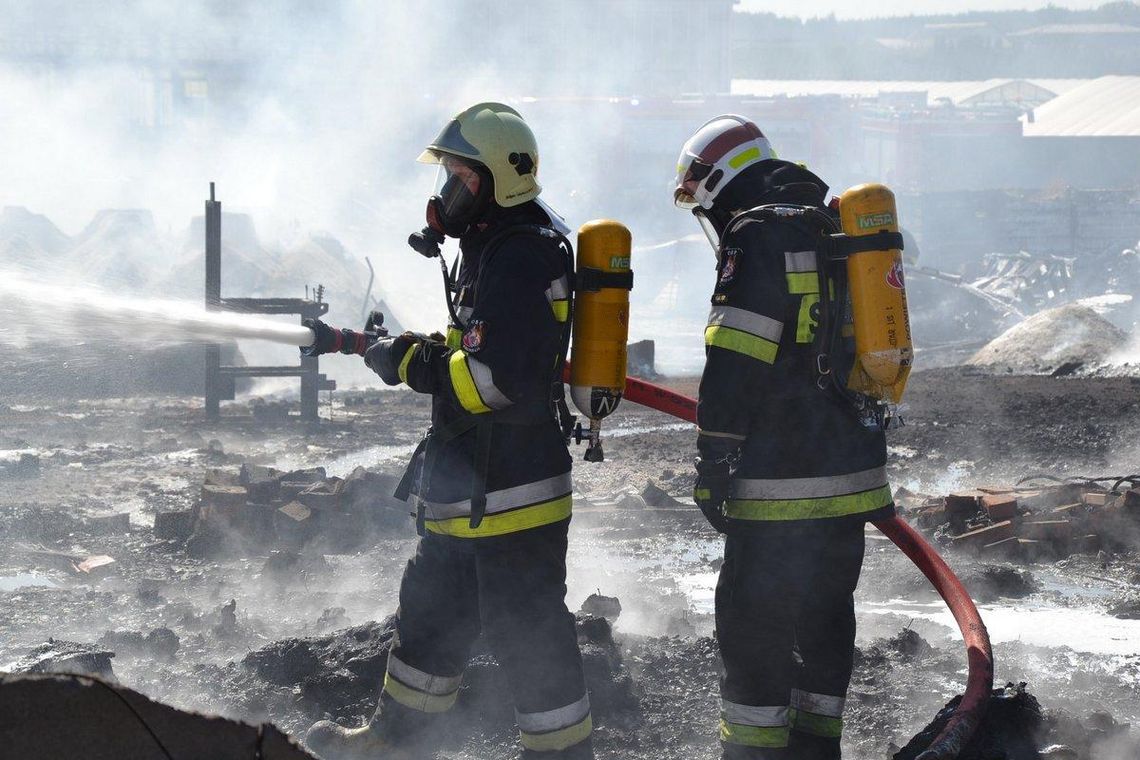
{"x": 474, "y": 335}
{"x": 729, "y": 265}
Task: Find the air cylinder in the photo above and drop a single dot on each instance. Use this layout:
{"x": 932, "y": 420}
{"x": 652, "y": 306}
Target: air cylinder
{"x": 883, "y": 351}
{"x": 601, "y": 324}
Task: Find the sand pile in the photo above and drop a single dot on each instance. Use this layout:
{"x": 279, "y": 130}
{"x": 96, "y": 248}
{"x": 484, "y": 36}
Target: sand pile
{"x": 1056, "y": 341}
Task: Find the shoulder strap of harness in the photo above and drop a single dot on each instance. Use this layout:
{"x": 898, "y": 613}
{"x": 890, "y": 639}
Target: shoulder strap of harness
{"x": 483, "y": 424}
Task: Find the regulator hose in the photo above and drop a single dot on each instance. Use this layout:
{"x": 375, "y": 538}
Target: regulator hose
{"x": 979, "y": 654}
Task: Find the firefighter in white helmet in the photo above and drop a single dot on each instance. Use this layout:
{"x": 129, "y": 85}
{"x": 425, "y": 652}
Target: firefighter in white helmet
{"x": 491, "y": 481}
{"x": 785, "y": 468}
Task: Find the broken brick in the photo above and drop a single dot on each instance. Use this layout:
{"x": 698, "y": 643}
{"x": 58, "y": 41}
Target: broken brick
{"x": 296, "y": 511}
{"x": 322, "y": 496}
{"x": 1096, "y": 498}
{"x": 1000, "y": 507}
{"x": 173, "y": 525}
{"x": 109, "y": 525}
{"x": 960, "y": 507}
{"x": 225, "y": 498}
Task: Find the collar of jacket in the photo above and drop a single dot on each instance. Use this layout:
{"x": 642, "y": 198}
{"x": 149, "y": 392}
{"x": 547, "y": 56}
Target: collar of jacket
{"x": 777, "y": 181}
{"x": 471, "y": 245}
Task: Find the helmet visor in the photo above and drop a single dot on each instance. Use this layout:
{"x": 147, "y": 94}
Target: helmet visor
{"x": 709, "y": 229}
{"x": 457, "y": 184}
{"x": 689, "y": 180}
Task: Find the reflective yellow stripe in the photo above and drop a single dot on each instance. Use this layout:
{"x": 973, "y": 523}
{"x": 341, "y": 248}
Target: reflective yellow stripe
{"x": 505, "y": 522}
{"x": 701, "y": 494}
{"x": 418, "y": 700}
{"x": 454, "y": 338}
{"x": 743, "y": 157}
{"x": 464, "y": 385}
{"x": 561, "y": 309}
{"x": 818, "y": 725}
{"x": 807, "y": 509}
{"x": 403, "y": 370}
{"x": 753, "y": 736}
{"x": 741, "y": 342}
{"x": 803, "y": 282}
{"x": 807, "y": 322}
{"x": 555, "y": 741}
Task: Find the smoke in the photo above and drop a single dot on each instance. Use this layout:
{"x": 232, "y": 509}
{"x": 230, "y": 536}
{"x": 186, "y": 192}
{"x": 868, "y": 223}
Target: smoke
{"x": 91, "y": 313}
{"x": 306, "y": 117}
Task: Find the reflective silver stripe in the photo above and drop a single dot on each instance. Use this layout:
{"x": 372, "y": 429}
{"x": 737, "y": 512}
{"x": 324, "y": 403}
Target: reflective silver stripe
{"x": 714, "y": 434}
{"x": 819, "y": 704}
{"x": 507, "y": 498}
{"x": 809, "y": 488}
{"x": 481, "y": 374}
{"x": 439, "y": 686}
{"x": 748, "y": 715}
{"x": 559, "y": 289}
{"x": 553, "y": 720}
{"x": 748, "y": 321}
{"x": 464, "y": 312}
{"x": 800, "y": 261}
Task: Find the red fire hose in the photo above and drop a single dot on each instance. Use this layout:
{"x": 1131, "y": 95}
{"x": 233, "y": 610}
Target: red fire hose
{"x": 962, "y": 724}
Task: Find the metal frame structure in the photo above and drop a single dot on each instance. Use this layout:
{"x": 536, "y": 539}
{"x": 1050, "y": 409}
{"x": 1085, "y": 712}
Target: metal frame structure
{"x": 220, "y": 380}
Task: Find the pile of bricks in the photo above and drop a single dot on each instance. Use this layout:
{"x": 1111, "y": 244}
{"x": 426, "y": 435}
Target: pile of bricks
{"x": 269, "y": 507}
{"x": 1029, "y": 523}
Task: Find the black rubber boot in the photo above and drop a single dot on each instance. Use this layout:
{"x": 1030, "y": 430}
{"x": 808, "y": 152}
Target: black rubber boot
{"x": 581, "y": 751}
{"x": 330, "y": 741}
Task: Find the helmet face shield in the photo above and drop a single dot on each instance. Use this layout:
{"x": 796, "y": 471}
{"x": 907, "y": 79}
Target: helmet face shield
{"x": 709, "y": 229}
{"x": 690, "y": 173}
{"x": 458, "y": 185}
{"x": 463, "y": 190}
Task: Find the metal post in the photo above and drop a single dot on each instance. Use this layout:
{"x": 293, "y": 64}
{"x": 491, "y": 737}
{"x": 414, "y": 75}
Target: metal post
{"x": 213, "y": 301}
{"x": 310, "y": 389}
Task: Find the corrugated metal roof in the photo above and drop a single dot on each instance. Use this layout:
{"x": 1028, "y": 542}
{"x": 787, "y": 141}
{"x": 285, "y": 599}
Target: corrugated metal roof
{"x": 1055, "y": 29}
{"x": 1103, "y": 107}
{"x": 956, "y": 92}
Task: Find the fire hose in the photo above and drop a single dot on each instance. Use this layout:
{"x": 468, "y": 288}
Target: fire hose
{"x": 979, "y": 682}
{"x": 967, "y": 716}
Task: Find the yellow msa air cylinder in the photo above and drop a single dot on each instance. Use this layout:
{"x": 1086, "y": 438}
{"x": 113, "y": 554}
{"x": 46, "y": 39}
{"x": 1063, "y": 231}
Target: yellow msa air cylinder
{"x": 601, "y": 324}
{"x": 883, "y": 352}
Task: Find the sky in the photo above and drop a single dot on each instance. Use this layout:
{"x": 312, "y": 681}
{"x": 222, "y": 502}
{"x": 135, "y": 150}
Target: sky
{"x": 864, "y": 9}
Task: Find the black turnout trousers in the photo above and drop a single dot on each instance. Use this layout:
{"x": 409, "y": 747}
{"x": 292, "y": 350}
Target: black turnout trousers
{"x": 512, "y": 590}
{"x": 785, "y": 622}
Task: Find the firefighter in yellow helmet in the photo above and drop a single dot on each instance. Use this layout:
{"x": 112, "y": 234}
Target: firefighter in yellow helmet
{"x": 786, "y": 467}
{"x": 491, "y": 481}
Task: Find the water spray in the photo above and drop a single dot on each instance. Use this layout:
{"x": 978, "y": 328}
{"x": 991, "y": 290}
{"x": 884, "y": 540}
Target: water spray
{"x": 78, "y": 311}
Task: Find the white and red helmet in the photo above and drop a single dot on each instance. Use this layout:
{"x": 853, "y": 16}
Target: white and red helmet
{"x": 714, "y": 155}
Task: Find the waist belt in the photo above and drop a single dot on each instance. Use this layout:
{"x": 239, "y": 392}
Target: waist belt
{"x": 419, "y": 470}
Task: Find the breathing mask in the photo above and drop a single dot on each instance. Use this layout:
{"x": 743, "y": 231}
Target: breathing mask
{"x": 463, "y": 191}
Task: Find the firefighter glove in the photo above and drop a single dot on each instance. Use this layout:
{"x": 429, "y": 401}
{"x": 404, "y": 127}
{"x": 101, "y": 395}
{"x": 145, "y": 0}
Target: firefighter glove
{"x": 327, "y": 339}
{"x": 711, "y": 491}
{"x": 386, "y": 356}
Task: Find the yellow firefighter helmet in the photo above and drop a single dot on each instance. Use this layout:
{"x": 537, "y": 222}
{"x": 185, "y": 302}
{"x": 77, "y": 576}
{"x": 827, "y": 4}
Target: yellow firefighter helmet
{"x": 495, "y": 136}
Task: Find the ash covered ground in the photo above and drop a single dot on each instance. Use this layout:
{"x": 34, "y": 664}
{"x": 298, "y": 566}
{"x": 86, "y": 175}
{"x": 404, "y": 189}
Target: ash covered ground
{"x": 263, "y": 633}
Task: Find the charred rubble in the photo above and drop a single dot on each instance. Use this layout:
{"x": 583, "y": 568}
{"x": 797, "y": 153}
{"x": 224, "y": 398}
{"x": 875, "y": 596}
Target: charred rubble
{"x": 1031, "y": 523}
